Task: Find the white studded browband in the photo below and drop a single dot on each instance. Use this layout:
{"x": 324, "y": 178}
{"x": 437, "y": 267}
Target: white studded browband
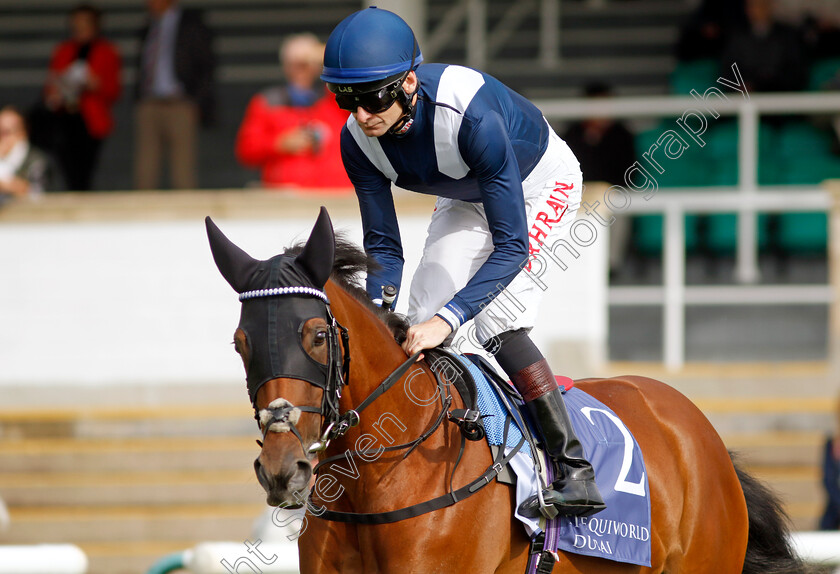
{"x": 284, "y": 291}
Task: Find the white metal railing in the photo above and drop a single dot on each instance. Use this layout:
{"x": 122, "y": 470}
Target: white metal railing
{"x": 746, "y": 107}
{"x": 674, "y": 295}
{"x": 482, "y": 43}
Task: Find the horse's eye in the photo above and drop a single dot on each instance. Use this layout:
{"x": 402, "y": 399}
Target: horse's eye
{"x": 320, "y": 338}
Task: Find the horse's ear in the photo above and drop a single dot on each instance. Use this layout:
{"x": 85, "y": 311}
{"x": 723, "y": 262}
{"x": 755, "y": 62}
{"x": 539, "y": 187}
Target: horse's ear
{"x": 236, "y": 266}
{"x": 318, "y": 254}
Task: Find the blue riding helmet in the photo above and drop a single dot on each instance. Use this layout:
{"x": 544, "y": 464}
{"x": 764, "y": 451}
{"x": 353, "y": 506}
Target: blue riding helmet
{"x": 368, "y": 49}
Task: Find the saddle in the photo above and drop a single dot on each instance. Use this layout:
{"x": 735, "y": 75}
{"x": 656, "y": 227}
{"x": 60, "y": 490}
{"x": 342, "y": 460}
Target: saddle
{"x": 454, "y": 371}
{"x": 622, "y": 531}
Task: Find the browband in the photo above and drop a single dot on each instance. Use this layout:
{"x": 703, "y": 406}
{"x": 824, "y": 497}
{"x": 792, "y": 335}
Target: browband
{"x": 284, "y": 291}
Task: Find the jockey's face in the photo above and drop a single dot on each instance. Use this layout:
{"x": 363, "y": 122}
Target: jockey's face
{"x": 375, "y": 125}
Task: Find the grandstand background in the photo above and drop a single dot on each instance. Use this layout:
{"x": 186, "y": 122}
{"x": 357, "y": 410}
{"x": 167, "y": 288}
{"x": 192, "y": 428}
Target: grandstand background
{"x": 132, "y": 465}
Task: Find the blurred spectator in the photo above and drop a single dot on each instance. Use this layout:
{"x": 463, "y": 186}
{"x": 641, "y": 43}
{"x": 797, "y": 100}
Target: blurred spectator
{"x": 24, "y": 169}
{"x": 708, "y": 28}
{"x": 819, "y": 21}
{"x": 292, "y": 132}
{"x": 82, "y": 86}
{"x": 175, "y": 92}
{"x": 831, "y": 478}
{"x": 769, "y": 54}
{"x": 605, "y": 149}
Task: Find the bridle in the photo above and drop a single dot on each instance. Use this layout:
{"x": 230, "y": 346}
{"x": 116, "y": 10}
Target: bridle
{"x": 283, "y": 415}
{"x": 279, "y": 414}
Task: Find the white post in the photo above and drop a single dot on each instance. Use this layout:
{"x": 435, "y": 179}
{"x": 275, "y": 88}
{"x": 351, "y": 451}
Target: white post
{"x": 747, "y": 255}
{"x": 476, "y": 33}
{"x": 673, "y": 316}
{"x": 833, "y": 188}
{"x": 550, "y": 33}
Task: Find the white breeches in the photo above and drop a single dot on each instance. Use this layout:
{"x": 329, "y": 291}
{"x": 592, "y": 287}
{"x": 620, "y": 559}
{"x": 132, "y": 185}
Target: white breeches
{"x": 459, "y": 242}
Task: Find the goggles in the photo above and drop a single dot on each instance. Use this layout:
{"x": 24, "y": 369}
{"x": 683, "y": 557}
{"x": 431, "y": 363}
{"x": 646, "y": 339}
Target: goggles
{"x": 374, "y": 102}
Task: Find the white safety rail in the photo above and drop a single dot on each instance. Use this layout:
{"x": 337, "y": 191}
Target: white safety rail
{"x": 282, "y": 558}
{"x": 43, "y": 559}
{"x": 225, "y": 557}
{"x": 817, "y": 547}
{"x": 674, "y": 294}
{"x": 746, "y": 107}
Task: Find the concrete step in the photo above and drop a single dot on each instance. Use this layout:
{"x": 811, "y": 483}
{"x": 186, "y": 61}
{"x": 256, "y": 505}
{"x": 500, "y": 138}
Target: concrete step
{"x": 775, "y": 448}
{"x": 100, "y": 489}
{"x": 129, "y": 454}
{"x": 793, "y": 484}
{"x": 82, "y": 525}
{"x": 112, "y": 422}
{"x": 804, "y": 515}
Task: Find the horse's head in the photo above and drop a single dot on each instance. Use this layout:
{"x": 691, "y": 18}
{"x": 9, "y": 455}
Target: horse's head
{"x": 288, "y": 342}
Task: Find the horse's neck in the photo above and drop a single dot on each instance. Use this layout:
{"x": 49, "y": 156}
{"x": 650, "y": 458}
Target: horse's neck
{"x": 375, "y": 355}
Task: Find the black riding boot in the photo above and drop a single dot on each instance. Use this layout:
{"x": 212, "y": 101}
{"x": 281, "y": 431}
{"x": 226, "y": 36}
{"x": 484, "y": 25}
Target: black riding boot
{"x": 574, "y": 493}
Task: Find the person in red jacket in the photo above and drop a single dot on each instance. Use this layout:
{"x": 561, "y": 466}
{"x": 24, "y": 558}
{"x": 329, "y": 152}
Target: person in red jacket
{"x": 292, "y": 132}
{"x": 82, "y": 86}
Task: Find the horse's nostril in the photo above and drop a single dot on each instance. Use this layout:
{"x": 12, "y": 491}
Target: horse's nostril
{"x": 261, "y": 476}
{"x": 304, "y": 467}
{"x": 299, "y": 479}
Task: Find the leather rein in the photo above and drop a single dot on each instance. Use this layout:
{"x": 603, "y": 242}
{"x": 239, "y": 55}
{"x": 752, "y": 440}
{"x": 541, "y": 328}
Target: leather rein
{"x": 336, "y": 424}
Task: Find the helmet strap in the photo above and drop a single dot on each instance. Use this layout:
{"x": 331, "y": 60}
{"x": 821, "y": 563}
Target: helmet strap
{"x": 404, "y": 122}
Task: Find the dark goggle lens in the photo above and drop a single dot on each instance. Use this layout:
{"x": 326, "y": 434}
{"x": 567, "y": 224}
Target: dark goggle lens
{"x": 372, "y": 102}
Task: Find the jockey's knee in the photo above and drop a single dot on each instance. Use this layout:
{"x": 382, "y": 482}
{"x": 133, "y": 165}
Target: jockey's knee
{"x": 513, "y": 350}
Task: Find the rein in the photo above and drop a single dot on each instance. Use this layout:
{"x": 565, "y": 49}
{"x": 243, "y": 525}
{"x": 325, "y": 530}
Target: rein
{"x": 282, "y": 416}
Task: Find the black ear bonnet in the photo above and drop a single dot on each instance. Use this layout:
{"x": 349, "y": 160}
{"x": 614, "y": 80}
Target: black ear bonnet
{"x": 273, "y": 323}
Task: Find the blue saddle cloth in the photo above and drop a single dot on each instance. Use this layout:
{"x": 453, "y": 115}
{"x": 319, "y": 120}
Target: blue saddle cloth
{"x": 621, "y": 532}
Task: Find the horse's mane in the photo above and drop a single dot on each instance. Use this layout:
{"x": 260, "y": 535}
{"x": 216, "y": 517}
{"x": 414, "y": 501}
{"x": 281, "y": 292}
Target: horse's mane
{"x": 350, "y": 263}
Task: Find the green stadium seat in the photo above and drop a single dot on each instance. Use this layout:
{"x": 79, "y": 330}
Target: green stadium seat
{"x": 810, "y": 170}
{"x": 823, "y": 72}
{"x": 802, "y": 139}
{"x": 694, "y": 75}
{"x": 803, "y": 233}
{"x": 721, "y": 236}
{"x": 722, "y": 144}
{"x": 649, "y": 231}
{"x": 724, "y": 171}
{"x": 689, "y": 170}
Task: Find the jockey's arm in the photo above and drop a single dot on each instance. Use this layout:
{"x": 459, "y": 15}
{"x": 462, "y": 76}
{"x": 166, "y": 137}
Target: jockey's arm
{"x": 487, "y": 150}
{"x": 379, "y": 218}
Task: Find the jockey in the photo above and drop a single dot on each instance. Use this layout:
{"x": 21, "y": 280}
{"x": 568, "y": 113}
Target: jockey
{"x": 506, "y": 185}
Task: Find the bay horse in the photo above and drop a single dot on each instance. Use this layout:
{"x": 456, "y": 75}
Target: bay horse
{"x": 304, "y": 321}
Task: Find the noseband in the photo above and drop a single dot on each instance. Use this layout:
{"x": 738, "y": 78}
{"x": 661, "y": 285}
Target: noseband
{"x": 282, "y": 416}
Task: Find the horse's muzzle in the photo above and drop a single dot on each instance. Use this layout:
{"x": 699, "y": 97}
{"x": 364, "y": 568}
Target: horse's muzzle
{"x": 287, "y": 488}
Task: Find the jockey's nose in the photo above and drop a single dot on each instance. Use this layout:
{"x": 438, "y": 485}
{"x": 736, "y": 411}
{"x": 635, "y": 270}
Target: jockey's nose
{"x": 362, "y": 114}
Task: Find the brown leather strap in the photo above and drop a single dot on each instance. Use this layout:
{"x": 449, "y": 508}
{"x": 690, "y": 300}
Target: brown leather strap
{"x": 534, "y": 380}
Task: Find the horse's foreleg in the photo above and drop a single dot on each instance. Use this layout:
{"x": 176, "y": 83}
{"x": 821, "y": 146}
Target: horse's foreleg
{"x": 329, "y": 548}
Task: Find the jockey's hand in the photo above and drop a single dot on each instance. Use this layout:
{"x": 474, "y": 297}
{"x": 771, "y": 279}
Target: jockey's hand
{"x": 426, "y": 335}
